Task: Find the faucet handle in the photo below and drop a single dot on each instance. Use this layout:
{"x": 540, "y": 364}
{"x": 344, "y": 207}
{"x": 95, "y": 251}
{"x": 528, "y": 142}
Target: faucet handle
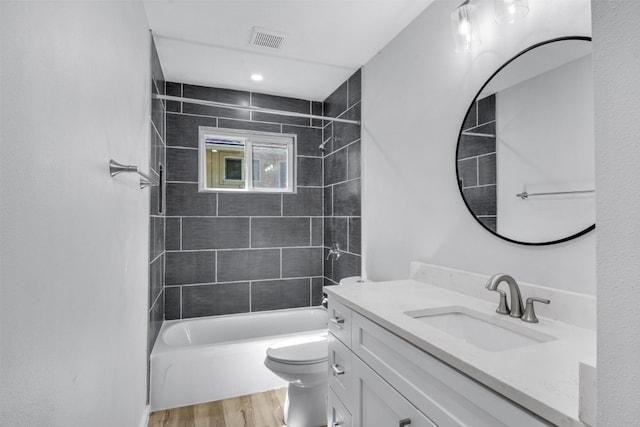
{"x": 334, "y": 252}
{"x": 529, "y": 313}
{"x": 503, "y": 306}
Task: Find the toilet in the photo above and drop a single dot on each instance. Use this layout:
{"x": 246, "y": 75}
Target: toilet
{"x": 303, "y": 362}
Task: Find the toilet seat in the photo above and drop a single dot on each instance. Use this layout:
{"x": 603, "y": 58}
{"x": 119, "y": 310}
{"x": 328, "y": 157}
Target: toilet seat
{"x": 294, "y": 352}
{"x": 303, "y": 362}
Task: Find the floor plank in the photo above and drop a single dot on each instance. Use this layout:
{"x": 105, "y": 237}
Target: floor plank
{"x": 254, "y": 410}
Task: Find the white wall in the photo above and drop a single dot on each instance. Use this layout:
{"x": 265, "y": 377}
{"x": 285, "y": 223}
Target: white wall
{"x": 415, "y": 94}
{"x": 75, "y": 92}
{"x": 616, "y": 63}
{"x": 544, "y": 144}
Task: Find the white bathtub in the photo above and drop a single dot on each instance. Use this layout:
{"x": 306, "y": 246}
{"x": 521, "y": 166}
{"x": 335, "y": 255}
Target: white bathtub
{"x": 212, "y": 358}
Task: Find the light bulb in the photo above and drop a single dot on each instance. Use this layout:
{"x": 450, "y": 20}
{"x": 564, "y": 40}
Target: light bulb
{"x": 464, "y": 28}
{"x": 511, "y": 10}
{"x": 465, "y": 33}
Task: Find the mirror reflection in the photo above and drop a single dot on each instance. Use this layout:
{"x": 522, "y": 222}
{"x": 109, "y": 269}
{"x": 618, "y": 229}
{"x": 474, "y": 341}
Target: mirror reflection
{"x": 525, "y": 156}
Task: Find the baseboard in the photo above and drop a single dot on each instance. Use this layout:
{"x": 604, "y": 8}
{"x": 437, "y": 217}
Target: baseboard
{"x": 144, "y": 421}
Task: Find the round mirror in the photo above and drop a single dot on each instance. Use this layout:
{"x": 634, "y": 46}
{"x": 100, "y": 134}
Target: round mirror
{"x": 525, "y": 156}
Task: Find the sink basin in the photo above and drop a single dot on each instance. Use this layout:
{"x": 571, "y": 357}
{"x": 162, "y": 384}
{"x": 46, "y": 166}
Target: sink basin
{"x": 487, "y": 332}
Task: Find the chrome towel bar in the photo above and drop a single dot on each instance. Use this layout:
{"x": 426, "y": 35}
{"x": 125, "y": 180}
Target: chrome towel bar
{"x": 525, "y": 195}
{"x": 145, "y": 180}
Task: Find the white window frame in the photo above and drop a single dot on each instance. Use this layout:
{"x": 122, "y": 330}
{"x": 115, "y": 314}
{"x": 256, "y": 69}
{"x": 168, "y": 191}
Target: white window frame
{"x": 253, "y": 164}
{"x": 249, "y": 137}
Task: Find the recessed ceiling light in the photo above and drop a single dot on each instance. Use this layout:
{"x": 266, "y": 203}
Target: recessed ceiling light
{"x": 256, "y": 77}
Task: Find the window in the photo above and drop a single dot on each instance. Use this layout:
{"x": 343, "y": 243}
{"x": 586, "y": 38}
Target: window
{"x": 233, "y": 169}
{"x": 224, "y": 156}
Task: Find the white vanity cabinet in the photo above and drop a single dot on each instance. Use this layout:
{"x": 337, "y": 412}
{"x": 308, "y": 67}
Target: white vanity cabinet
{"x": 340, "y": 321}
{"x": 383, "y": 380}
{"x": 379, "y": 404}
{"x": 338, "y": 415}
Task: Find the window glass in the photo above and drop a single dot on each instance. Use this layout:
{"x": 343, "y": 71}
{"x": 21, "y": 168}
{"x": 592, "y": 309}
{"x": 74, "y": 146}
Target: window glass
{"x": 224, "y": 163}
{"x": 270, "y": 157}
{"x": 225, "y": 156}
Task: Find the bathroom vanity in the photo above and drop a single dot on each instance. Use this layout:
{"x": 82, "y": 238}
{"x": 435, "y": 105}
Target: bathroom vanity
{"x": 410, "y": 353}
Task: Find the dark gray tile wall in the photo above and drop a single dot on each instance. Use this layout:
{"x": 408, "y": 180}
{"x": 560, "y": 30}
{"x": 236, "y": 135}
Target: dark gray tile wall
{"x": 342, "y": 183}
{"x": 477, "y": 161}
{"x": 221, "y": 298}
{"x": 231, "y": 252}
{"x": 283, "y": 293}
{"x": 157, "y": 223}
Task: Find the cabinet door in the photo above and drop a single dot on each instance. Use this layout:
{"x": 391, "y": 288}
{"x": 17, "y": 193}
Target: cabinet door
{"x": 376, "y": 403}
{"x": 339, "y": 320}
{"x": 338, "y": 415}
{"x": 340, "y": 372}
{"x": 449, "y": 398}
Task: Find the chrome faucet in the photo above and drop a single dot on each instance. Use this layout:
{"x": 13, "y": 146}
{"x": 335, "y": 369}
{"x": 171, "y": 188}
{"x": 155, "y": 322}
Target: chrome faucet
{"x": 334, "y": 252}
{"x": 516, "y": 299}
{"x": 529, "y": 313}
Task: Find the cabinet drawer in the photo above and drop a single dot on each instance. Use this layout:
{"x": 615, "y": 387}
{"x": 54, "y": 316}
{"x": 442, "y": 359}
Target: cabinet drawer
{"x": 338, "y": 415}
{"x": 340, "y": 371}
{"x": 380, "y": 405}
{"x": 340, "y": 320}
{"x": 447, "y": 397}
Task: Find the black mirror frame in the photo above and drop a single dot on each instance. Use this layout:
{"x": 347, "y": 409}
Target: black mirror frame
{"x": 458, "y": 178}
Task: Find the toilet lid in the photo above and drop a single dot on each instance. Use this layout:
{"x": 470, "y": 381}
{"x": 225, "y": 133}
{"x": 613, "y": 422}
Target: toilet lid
{"x": 295, "y": 352}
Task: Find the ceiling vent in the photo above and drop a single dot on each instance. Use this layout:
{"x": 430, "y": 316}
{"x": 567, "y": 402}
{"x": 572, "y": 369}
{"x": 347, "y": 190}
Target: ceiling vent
{"x": 262, "y": 37}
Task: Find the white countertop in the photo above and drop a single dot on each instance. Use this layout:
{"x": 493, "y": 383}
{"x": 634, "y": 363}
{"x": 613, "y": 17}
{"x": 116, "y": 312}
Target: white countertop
{"x": 543, "y": 378}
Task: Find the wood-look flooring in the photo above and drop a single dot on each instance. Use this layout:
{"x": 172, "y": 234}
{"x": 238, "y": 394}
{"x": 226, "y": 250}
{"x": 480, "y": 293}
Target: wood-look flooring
{"x": 254, "y": 410}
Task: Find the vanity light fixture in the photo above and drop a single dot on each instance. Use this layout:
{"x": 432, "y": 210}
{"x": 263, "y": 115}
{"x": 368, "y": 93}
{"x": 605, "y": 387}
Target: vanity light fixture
{"x": 465, "y": 31}
{"x": 256, "y": 77}
{"x": 508, "y": 11}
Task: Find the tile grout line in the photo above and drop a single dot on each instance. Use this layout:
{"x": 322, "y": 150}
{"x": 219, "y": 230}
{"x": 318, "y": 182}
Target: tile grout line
{"x": 491, "y": 153}
{"x": 332, "y": 204}
{"x": 266, "y": 248}
{"x": 477, "y": 113}
{"x": 347, "y": 97}
{"x": 235, "y": 119}
{"x": 155, "y": 300}
{"x": 348, "y": 234}
{"x": 284, "y": 217}
{"x": 479, "y": 186}
{"x": 230, "y": 282}
{"x": 344, "y": 182}
{"x": 156, "y": 258}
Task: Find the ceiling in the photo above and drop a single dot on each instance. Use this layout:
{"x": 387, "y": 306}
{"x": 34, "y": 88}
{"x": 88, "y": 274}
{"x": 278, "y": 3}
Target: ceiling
{"x": 206, "y": 42}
